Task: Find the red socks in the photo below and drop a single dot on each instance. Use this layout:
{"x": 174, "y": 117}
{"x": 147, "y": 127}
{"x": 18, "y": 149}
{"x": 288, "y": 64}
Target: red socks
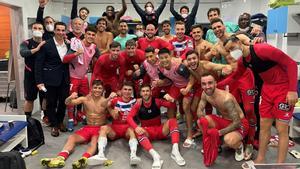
{"x": 174, "y": 132}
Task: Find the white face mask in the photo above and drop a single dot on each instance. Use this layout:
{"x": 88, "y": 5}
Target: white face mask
{"x": 184, "y": 15}
{"x": 139, "y": 34}
{"x": 149, "y": 9}
{"x": 236, "y": 54}
{"x": 37, "y": 34}
{"x": 50, "y": 27}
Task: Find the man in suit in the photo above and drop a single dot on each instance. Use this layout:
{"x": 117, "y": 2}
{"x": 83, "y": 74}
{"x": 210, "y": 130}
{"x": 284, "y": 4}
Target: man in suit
{"x": 52, "y": 76}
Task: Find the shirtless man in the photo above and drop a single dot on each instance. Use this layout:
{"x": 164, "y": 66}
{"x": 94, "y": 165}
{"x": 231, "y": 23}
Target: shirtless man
{"x": 197, "y": 68}
{"x": 231, "y": 123}
{"x": 166, "y": 28}
{"x": 95, "y": 106}
{"x": 114, "y": 17}
{"x": 147, "y": 110}
{"x": 119, "y": 109}
{"x": 103, "y": 38}
{"x": 200, "y": 45}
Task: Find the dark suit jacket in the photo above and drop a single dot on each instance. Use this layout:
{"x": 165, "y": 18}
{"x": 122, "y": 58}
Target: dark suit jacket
{"x": 49, "y": 68}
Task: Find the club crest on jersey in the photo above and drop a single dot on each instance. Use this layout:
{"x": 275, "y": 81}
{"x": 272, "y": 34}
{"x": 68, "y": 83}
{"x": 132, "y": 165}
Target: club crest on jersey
{"x": 284, "y": 107}
{"x": 251, "y": 92}
{"x": 149, "y": 111}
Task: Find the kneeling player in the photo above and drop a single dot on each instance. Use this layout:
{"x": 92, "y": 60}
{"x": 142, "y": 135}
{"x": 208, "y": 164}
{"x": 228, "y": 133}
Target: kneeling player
{"x": 231, "y": 123}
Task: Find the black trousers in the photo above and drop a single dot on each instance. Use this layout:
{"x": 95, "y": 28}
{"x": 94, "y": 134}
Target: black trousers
{"x": 56, "y": 108}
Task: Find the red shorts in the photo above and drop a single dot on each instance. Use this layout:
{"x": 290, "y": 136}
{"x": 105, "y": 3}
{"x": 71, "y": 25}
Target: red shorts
{"x": 79, "y": 85}
{"x": 198, "y": 90}
{"x": 155, "y": 132}
{"x": 120, "y": 130}
{"x": 174, "y": 92}
{"x": 87, "y": 132}
{"x": 244, "y": 89}
{"x": 223, "y": 123}
{"x": 273, "y": 102}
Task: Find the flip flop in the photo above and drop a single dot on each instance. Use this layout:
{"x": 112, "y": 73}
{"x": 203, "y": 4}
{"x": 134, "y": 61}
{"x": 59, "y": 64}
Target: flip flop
{"x": 188, "y": 143}
{"x": 248, "y": 165}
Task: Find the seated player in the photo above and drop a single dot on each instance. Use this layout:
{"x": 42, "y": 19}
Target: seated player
{"x": 148, "y": 112}
{"x": 95, "y": 107}
{"x": 119, "y": 110}
{"x": 231, "y": 122}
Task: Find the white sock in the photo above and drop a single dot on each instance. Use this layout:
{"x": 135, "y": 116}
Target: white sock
{"x": 102, "y": 142}
{"x": 175, "y": 148}
{"x": 154, "y": 154}
{"x": 133, "y": 146}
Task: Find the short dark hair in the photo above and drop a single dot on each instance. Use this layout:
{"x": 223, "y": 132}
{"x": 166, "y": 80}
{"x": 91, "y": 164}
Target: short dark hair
{"x": 179, "y": 23}
{"x": 196, "y": 26}
{"x": 213, "y": 9}
{"x": 97, "y": 82}
{"x": 185, "y": 7}
{"x": 207, "y": 73}
{"x": 163, "y": 51}
{"x": 101, "y": 19}
{"x": 166, "y": 22}
{"x": 109, "y": 6}
{"x": 149, "y": 49}
{"x": 122, "y": 21}
{"x": 145, "y": 85}
{"x": 128, "y": 83}
{"x": 84, "y": 8}
{"x": 190, "y": 52}
{"x": 60, "y": 23}
{"x": 215, "y": 20}
{"x": 114, "y": 44}
{"x": 130, "y": 42}
{"x": 91, "y": 29}
{"x": 232, "y": 38}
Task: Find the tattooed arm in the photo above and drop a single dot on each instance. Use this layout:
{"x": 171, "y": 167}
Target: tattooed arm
{"x": 201, "y": 106}
{"x": 233, "y": 115}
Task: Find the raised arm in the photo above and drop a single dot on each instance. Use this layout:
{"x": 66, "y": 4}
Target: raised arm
{"x": 122, "y": 11}
{"x": 138, "y": 9}
{"x": 172, "y": 9}
{"x": 161, "y": 7}
{"x": 230, "y": 106}
{"x": 74, "y": 13}
{"x": 195, "y": 9}
{"x": 40, "y": 12}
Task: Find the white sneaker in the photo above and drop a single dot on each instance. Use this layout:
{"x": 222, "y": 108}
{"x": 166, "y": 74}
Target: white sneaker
{"x": 239, "y": 153}
{"x": 96, "y": 160}
{"x": 157, "y": 163}
{"x": 176, "y": 156}
{"x": 134, "y": 160}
